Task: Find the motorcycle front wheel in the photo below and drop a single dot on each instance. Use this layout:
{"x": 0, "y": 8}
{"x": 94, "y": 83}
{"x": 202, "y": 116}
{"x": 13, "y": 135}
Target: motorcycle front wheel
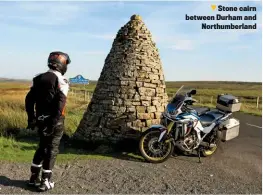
{"x": 152, "y": 150}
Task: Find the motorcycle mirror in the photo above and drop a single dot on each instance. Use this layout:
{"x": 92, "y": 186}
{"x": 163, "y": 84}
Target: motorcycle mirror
{"x": 193, "y": 92}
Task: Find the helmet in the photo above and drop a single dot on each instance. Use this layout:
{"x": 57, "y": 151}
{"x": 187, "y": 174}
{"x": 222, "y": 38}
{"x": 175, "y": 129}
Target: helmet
{"x": 59, "y": 61}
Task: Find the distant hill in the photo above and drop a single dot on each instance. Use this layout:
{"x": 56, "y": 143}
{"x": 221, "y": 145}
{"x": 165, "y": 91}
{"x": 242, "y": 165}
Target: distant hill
{"x": 94, "y": 82}
{"x": 13, "y": 80}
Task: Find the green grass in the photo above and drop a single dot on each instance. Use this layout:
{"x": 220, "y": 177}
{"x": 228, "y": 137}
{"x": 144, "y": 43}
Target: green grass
{"x": 215, "y": 92}
{"x": 255, "y": 112}
{"x": 207, "y": 91}
{"x": 19, "y": 151}
{"x": 13, "y": 115}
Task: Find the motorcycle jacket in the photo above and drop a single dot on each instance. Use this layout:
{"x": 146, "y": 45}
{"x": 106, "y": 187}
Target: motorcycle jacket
{"x": 47, "y": 97}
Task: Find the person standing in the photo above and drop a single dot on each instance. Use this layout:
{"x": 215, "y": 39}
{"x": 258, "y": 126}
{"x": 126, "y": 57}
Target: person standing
{"x": 45, "y": 106}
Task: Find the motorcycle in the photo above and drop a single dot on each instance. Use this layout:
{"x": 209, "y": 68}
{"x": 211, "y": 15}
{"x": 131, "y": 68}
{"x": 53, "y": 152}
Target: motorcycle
{"x": 190, "y": 129}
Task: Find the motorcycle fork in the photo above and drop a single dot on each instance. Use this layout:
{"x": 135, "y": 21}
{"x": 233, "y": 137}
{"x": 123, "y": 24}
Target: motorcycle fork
{"x": 165, "y": 132}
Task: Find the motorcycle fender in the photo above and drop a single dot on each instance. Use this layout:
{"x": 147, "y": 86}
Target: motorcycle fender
{"x": 157, "y": 127}
{"x": 163, "y": 130}
{"x": 162, "y": 135}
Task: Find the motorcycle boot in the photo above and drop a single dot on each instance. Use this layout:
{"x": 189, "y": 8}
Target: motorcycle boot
{"x": 46, "y": 183}
{"x": 34, "y": 180}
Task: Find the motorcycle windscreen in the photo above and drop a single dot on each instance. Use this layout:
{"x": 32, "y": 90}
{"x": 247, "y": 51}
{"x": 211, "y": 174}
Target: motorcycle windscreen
{"x": 172, "y": 108}
{"x": 177, "y": 99}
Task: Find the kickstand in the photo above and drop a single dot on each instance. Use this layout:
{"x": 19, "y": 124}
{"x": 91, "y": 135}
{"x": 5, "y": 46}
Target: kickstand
{"x": 199, "y": 156}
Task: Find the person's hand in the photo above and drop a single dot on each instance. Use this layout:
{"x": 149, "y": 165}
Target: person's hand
{"x": 51, "y": 122}
{"x": 31, "y": 125}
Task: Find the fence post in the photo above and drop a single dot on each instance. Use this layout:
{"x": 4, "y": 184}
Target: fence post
{"x": 88, "y": 96}
{"x": 75, "y": 96}
{"x": 211, "y": 99}
{"x": 200, "y": 100}
{"x": 257, "y": 102}
{"x": 84, "y": 95}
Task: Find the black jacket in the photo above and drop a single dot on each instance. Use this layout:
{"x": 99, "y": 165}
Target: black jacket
{"x": 47, "y": 96}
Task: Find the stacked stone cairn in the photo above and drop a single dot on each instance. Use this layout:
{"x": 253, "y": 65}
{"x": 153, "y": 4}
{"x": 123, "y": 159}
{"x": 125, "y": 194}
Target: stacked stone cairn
{"x": 130, "y": 94}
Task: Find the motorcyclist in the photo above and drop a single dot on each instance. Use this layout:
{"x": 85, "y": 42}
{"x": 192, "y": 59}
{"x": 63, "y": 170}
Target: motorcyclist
{"x": 48, "y": 95}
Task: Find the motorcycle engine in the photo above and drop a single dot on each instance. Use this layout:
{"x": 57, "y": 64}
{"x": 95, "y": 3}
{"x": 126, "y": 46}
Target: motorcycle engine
{"x": 188, "y": 143}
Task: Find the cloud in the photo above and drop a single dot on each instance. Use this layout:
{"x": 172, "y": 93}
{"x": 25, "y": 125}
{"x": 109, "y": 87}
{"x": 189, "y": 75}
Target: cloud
{"x": 184, "y": 45}
{"x": 169, "y": 27}
{"x": 90, "y": 27}
{"x": 41, "y": 13}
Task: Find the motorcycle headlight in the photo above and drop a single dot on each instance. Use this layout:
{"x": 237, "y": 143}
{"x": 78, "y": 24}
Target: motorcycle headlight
{"x": 170, "y": 111}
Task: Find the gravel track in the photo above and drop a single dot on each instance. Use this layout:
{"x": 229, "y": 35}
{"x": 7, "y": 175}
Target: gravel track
{"x": 235, "y": 168}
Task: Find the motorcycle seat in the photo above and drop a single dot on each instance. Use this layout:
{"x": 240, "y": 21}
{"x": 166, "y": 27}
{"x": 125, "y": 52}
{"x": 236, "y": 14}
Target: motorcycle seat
{"x": 206, "y": 120}
{"x": 209, "y": 117}
{"x": 201, "y": 111}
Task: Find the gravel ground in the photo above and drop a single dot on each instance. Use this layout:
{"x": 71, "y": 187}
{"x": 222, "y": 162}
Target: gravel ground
{"x": 177, "y": 175}
{"x": 236, "y": 168}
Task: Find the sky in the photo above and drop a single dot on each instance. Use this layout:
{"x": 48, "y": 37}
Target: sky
{"x": 86, "y": 30}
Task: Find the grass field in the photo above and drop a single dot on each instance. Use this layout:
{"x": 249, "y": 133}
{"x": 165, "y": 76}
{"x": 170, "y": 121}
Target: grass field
{"x": 13, "y": 115}
{"x": 23, "y": 150}
{"x": 207, "y": 92}
{"x": 12, "y": 112}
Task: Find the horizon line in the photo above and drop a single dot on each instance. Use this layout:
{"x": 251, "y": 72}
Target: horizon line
{"x": 2, "y": 79}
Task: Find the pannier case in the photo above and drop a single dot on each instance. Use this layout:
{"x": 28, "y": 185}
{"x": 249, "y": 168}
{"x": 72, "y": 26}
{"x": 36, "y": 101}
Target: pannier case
{"x": 228, "y": 103}
{"x": 230, "y": 129}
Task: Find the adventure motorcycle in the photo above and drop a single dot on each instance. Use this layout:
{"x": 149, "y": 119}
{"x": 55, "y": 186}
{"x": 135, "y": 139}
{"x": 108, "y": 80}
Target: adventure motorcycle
{"x": 190, "y": 129}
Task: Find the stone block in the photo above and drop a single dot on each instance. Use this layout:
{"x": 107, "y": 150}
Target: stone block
{"x": 148, "y": 123}
{"x": 143, "y": 116}
{"x": 154, "y": 77}
{"x": 131, "y": 109}
{"x": 146, "y": 98}
{"x": 149, "y": 85}
{"x": 156, "y": 103}
{"x": 156, "y": 121}
{"x": 159, "y": 90}
{"x": 146, "y": 91}
{"x": 146, "y": 103}
{"x": 160, "y": 109}
{"x": 139, "y": 84}
{"x": 152, "y": 115}
{"x": 158, "y": 115}
{"x": 138, "y": 123}
{"x": 141, "y": 109}
{"x": 136, "y": 103}
{"x": 128, "y": 102}
{"x": 151, "y": 109}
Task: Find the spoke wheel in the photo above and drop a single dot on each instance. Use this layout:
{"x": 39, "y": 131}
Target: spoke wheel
{"x": 153, "y": 151}
{"x": 211, "y": 150}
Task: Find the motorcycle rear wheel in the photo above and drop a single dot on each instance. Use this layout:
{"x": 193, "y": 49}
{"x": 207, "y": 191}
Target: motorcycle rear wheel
{"x": 151, "y": 150}
{"x": 211, "y": 151}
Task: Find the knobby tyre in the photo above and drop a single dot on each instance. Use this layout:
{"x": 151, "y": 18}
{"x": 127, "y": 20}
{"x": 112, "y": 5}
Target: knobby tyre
{"x": 151, "y": 150}
{"x": 211, "y": 151}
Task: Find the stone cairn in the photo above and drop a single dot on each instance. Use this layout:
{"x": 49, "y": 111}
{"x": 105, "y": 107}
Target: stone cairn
{"x": 131, "y": 93}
